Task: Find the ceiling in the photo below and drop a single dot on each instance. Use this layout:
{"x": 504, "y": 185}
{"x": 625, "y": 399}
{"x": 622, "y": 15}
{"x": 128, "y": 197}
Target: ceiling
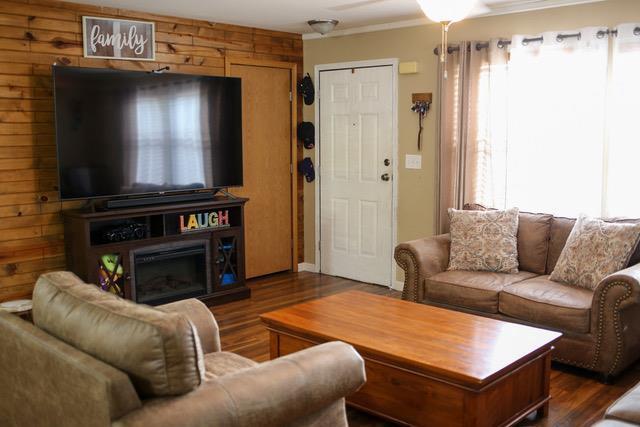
{"x": 291, "y": 15}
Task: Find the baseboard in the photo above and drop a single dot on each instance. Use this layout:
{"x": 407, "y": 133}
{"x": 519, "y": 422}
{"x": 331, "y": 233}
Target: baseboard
{"x": 307, "y": 266}
{"x": 397, "y": 285}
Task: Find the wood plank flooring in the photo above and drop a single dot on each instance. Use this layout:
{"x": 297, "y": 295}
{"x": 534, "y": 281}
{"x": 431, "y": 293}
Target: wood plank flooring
{"x": 578, "y": 399}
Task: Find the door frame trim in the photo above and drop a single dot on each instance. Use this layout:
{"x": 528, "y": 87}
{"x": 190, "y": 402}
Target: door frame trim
{"x": 393, "y": 63}
{"x": 293, "y": 68}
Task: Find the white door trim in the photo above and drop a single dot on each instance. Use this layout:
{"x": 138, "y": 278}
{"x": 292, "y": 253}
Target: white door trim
{"x": 393, "y": 62}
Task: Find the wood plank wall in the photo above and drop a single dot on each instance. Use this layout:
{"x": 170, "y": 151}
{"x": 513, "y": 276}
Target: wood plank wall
{"x": 34, "y": 34}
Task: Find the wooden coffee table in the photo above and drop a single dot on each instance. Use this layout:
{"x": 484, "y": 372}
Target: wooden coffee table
{"x": 427, "y": 366}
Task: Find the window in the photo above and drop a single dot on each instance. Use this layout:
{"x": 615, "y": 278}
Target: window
{"x": 623, "y": 124}
{"x": 553, "y": 124}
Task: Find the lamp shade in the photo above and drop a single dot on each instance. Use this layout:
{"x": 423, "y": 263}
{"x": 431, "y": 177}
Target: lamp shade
{"x": 446, "y": 10}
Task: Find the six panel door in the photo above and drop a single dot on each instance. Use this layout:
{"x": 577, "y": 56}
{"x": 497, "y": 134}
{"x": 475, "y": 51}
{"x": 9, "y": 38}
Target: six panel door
{"x": 356, "y": 139}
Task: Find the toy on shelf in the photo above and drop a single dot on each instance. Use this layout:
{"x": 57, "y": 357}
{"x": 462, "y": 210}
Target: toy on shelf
{"x": 110, "y": 274}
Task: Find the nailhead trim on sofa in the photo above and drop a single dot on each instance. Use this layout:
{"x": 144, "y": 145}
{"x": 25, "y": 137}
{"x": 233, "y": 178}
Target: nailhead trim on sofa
{"x": 409, "y": 290}
{"x": 616, "y": 323}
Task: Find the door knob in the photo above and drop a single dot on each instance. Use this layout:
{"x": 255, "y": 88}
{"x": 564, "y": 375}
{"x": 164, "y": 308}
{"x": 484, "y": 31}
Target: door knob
{"x": 385, "y": 177}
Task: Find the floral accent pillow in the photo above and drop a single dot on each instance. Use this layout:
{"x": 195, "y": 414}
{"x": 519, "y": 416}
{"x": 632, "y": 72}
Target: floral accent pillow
{"x": 594, "y": 250}
{"x": 484, "y": 240}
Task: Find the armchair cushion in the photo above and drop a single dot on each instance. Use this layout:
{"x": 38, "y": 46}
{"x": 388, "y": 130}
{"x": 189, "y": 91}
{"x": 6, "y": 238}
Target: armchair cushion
{"x": 613, "y": 423}
{"x": 547, "y": 303}
{"x": 594, "y": 250}
{"x": 160, "y": 351}
{"x": 201, "y": 318}
{"x": 46, "y": 382}
{"x": 223, "y": 363}
{"x": 277, "y": 393}
{"x": 475, "y": 290}
{"x": 627, "y": 407}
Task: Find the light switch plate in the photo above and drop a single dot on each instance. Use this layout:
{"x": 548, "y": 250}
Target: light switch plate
{"x": 413, "y": 161}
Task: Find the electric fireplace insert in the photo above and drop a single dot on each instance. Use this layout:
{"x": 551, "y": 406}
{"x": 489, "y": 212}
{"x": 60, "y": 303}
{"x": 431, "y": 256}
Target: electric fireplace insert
{"x": 170, "y": 272}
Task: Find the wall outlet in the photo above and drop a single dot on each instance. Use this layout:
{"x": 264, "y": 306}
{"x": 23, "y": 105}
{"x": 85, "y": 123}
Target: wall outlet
{"x": 413, "y": 161}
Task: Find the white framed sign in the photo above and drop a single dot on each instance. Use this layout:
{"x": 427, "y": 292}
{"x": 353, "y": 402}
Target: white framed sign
{"x": 118, "y": 39}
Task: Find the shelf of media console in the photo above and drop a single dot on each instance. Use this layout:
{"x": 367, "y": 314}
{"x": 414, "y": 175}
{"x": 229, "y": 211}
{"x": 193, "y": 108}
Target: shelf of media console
{"x": 151, "y": 224}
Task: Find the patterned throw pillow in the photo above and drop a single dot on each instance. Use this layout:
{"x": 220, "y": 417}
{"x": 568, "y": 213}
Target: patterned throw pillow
{"x": 484, "y": 240}
{"x": 594, "y": 250}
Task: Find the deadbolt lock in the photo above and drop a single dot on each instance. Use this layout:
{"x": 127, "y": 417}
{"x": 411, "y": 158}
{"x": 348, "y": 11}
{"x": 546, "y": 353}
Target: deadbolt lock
{"x": 387, "y": 162}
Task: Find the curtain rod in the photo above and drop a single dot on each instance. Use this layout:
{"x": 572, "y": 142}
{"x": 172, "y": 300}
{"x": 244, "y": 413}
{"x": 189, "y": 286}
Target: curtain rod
{"x": 560, "y": 37}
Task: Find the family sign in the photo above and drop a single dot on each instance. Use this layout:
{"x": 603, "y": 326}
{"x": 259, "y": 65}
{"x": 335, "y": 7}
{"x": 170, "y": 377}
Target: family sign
{"x": 118, "y": 39}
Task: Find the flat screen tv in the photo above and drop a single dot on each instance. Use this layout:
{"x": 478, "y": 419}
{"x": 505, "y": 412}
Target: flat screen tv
{"x": 122, "y": 133}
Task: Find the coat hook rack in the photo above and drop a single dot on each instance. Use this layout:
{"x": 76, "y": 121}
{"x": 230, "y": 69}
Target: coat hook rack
{"x": 421, "y": 104}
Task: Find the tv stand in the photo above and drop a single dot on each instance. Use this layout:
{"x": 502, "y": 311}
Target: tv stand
{"x": 161, "y": 253}
{"x": 159, "y": 199}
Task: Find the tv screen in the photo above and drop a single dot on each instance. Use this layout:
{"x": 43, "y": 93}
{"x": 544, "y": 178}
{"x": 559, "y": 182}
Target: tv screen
{"x": 121, "y": 133}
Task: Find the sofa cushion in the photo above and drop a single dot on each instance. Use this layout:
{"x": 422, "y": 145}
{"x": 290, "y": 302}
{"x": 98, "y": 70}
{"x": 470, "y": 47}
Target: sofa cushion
{"x": 635, "y": 257}
{"x": 558, "y": 235}
{"x": 560, "y": 231}
{"x": 533, "y": 238}
{"x": 627, "y": 407}
{"x": 222, "y": 363}
{"x": 533, "y": 241}
{"x": 475, "y": 290}
{"x": 546, "y": 303}
{"x": 160, "y": 351}
{"x": 594, "y": 250}
{"x": 484, "y": 240}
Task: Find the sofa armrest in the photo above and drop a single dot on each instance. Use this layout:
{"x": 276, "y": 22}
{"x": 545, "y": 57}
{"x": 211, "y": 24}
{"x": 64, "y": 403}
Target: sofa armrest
{"x": 272, "y": 394}
{"x": 420, "y": 259}
{"x": 615, "y": 316}
{"x": 202, "y": 318}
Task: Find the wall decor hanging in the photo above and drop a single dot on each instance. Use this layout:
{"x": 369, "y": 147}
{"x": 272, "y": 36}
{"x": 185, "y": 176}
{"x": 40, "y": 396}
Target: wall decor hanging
{"x": 118, "y": 39}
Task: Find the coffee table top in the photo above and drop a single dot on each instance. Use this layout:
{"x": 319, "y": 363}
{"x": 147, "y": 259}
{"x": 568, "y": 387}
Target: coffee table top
{"x": 458, "y": 347}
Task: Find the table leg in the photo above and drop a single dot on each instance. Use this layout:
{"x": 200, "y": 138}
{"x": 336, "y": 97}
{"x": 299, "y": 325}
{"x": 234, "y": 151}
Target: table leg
{"x": 274, "y": 345}
{"x": 543, "y": 411}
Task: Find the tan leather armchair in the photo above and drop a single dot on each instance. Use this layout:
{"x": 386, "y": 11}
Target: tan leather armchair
{"x": 624, "y": 412}
{"x": 50, "y": 374}
{"x": 601, "y": 328}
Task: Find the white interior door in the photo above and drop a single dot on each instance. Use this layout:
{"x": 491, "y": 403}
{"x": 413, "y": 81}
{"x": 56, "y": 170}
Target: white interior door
{"x": 356, "y": 144}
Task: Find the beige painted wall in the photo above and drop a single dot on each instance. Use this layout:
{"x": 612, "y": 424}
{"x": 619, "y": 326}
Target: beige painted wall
{"x": 416, "y": 196}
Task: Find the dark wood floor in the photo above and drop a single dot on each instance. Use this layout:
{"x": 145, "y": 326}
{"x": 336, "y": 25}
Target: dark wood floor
{"x": 578, "y": 399}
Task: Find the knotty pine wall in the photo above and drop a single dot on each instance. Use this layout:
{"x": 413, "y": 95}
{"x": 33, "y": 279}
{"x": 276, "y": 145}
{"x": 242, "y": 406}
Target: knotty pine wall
{"x": 33, "y": 35}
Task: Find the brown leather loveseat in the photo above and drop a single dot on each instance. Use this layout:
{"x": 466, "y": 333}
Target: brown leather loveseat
{"x": 93, "y": 359}
{"x": 601, "y": 328}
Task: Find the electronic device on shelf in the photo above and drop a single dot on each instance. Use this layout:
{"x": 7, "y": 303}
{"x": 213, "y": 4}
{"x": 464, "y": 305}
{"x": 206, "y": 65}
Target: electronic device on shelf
{"x": 121, "y": 233}
{"x": 128, "y": 135}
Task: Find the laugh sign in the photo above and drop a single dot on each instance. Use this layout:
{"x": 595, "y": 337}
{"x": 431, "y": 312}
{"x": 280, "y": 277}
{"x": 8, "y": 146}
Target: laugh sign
{"x": 203, "y": 221}
{"x": 118, "y": 39}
